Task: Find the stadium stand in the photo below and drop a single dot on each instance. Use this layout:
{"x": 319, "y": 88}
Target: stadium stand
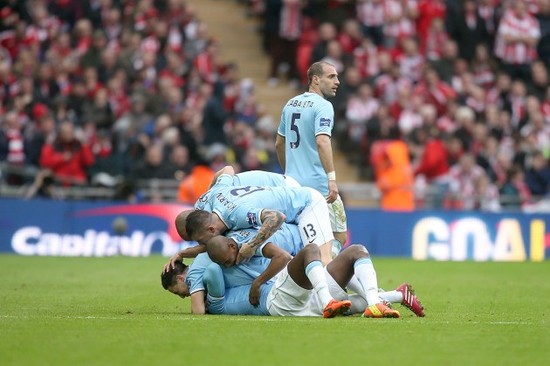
{"x": 143, "y": 85}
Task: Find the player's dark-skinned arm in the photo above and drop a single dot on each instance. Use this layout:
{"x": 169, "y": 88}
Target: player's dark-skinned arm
{"x": 228, "y": 169}
{"x": 198, "y": 306}
{"x": 280, "y": 149}
{"x": 279, "y": 259}
{"x": 191, "y": 252}
{"x": 324, "y": 147}
{"x": 271, "y": 222}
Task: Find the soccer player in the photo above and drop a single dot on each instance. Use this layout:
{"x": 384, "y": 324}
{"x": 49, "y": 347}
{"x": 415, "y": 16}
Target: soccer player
{"x": 289, "y": 287}
{"x": 303, "y": 142}
{"x": 291, "y": 294}
{"x": 235, "y": 208}
{"x": 249, "y": 178}
{"x": 246, "y": 285}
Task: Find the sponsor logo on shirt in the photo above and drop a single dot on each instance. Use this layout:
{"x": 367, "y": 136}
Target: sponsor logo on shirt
{"x": 325, "y": 122}
{"x": 252, "y": 219}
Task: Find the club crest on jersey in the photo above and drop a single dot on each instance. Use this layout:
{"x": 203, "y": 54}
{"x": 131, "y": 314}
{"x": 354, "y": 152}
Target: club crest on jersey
{"x": 252, "y": 219}
{"x": 325, "y": 122}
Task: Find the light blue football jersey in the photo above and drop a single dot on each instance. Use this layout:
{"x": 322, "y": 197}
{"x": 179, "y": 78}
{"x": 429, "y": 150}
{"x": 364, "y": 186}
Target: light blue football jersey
{"x": 244, "y": 273}
{"x": 194, "y": 278}
{"x": 237, "y": 303}
{"x": 287, "y": 238}
{"x": 241, "y": 207}
{"x": 259, "y": 178}
{"x": 303, "y": 118}
{"x": 251, "y": 178}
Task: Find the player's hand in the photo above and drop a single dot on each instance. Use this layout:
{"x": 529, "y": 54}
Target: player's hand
{"x": 172, "y": 262}
{"x": 254, "y": 295}
{"x": 245, "y": 253}
{"x": 332, "y": 191}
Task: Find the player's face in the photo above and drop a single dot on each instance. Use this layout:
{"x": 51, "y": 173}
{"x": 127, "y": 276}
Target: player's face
{"x": 229, "y": 258}
{"x": 179, "y": 288}
{"x": 328, "y": 82}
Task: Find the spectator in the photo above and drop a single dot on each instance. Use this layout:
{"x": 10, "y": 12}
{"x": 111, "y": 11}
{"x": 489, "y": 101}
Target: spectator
{"x": 154, "y": 166}
{"x": 516, "y": 40}
{"x": 470, "y": 30}
{"x": 431, "y": 164}
{"x": 515, "y": 193}
{"x": 537, "y": 175}
{"x": 463, "y": 176}
{"x": 485, "y": 197}
{"x": 67, "y": 157}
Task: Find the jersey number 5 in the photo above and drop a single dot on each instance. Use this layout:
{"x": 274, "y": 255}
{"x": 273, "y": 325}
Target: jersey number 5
{"x": 294, "y": 127}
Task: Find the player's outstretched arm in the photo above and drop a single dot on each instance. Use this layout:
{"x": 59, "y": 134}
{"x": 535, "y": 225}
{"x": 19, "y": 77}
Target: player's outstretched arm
{"x": 271, "y": 222}
{"x": 185, "y": 253}
{"x": 279, "y": 259}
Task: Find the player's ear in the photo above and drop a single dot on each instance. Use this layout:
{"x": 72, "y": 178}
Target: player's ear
{"x": 180, "y": 277}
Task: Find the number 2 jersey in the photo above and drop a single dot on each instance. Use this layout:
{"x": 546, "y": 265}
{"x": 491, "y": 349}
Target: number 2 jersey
{"x": 241, "y": 207}
{"x": 304, "y": 117}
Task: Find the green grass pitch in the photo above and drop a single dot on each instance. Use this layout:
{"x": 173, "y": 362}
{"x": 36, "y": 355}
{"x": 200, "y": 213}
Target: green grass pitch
{"x": 113, "y": 311}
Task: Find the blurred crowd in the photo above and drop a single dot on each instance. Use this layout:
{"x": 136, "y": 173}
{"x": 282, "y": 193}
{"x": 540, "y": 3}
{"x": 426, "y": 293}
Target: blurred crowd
{"x": 110, "y": 93}
{"x": 463, "y": 84}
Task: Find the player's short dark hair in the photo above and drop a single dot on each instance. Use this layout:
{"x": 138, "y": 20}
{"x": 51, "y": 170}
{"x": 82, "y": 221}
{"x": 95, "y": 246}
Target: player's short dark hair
{"x": 316, "y": 69}
{"x": 197, "y": 221}
{"x": 168, "y": 278}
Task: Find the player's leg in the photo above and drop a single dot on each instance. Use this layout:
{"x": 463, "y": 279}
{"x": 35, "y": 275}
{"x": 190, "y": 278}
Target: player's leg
{"x": 357, "y": 257}
{"x": 307, "y": 271}
{"x": 315, "y": 228}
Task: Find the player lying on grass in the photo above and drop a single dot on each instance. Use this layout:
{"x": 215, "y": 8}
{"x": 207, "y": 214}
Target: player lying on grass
{"x": 256, "y": 272}
{"x": 301, "y": 276}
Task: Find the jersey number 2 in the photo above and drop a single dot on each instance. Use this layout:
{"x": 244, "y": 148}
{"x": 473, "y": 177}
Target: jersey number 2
{"x": 294, "y": 127}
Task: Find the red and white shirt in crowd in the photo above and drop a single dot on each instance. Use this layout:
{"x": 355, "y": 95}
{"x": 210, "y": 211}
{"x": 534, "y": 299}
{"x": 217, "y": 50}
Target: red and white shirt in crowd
{"x": 386, "y": 87}
{"x": 411, "y": 66}
{"x": 371, "y": 12}
{"x": 397, "y": 24}
{"x": 516, "y": 52}
{"x": 290, "y": 26}
{"x": 366, "y": 59}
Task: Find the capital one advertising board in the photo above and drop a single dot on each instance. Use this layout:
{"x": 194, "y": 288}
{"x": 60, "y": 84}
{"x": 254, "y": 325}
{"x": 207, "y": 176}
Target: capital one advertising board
{"x": 64, "y": 228}
{"x": 88, "y": 229}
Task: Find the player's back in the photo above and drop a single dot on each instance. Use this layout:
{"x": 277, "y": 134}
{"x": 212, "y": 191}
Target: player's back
{"x": 240, "y": 207}
{"x": 303, "y": 118}
{"x": 195, "y": 273}
{"x": 259, "y": 178}
{"x": 244, "y": 273}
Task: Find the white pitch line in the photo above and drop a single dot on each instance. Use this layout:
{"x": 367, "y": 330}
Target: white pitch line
{"x": 268, "y": 319}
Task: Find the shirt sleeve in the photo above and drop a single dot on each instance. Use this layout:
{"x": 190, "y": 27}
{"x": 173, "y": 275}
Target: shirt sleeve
{"x": 324, "y": 119}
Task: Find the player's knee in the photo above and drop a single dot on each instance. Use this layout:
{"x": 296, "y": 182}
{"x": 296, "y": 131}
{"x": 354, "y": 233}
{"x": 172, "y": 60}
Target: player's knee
{"x": 358, "y": 251}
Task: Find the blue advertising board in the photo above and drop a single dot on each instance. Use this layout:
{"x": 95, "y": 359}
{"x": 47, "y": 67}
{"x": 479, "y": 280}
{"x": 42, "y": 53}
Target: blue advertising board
{"x": 452, "y": 235}
{"x": 69, "y": 228}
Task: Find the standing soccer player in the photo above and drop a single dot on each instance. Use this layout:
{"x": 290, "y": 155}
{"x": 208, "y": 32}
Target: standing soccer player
{"x": 304, "y": 145}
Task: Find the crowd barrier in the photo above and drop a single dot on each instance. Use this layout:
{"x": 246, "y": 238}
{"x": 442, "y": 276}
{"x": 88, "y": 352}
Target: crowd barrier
{"x": 75, "y": 228}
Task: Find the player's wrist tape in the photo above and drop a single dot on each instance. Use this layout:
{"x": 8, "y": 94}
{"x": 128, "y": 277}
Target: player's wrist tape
{"x": 331, "y": 175}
